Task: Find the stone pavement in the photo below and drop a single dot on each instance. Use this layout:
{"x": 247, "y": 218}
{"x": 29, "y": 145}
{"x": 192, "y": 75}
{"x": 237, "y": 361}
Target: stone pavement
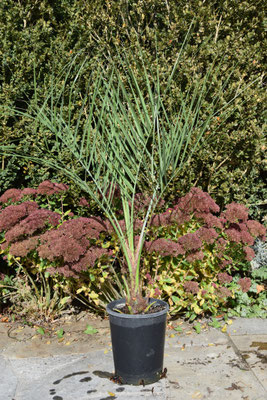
{"x": 212, "y": 365}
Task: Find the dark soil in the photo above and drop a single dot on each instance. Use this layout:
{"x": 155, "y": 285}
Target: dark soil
{"x": 153, "y": 309}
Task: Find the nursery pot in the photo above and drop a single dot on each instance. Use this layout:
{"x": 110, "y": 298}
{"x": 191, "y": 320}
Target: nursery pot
{"x": 137, "y": 343}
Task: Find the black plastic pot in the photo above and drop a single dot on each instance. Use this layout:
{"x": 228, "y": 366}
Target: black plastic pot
{"x": 137, "y": 343}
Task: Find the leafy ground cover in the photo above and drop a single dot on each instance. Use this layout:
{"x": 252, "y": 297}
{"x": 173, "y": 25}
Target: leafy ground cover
{"x": 202, "y": 260}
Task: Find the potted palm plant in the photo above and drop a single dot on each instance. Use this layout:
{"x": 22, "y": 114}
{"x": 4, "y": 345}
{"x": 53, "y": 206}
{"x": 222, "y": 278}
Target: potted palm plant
{"x": 124, "y": 138}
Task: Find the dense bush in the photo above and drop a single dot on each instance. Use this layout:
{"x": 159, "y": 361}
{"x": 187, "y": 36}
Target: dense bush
{"x": 195, "y": 257}
{"x": 49, "y": 35}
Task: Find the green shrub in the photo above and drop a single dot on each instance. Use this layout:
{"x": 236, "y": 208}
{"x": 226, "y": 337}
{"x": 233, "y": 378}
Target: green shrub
{"x": 48, "y": 35}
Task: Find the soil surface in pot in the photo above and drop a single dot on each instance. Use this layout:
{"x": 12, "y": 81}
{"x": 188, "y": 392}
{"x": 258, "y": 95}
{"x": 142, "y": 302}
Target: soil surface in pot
{"x": 153, "y": 309}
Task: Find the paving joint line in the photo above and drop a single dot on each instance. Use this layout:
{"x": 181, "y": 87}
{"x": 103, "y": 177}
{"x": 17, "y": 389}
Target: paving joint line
{"x": 243, "y": 360}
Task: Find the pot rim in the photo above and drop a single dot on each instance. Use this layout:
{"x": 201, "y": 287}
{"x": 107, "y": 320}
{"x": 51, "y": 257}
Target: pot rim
{"x": 115, "y": 303}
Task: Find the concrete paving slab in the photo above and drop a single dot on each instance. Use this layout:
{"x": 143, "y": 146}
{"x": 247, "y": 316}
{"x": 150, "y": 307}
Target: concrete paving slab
{"x": 8, "y": 380}
{"x": 211, "y": 365}
{"x": 253, "y": 349}
{"x": 210, "y": 337}
{"x": 248, "y": 326}
{"x": 213, "y": 373}
{"x": 87, "y": 377}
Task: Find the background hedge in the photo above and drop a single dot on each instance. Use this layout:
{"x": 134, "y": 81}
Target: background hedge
{"x": 48, "y": 34}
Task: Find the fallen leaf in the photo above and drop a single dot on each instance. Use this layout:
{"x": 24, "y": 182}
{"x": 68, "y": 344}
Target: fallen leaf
{"x": 60, "y": 340}
{"x": 19, "y": 329}
{"x": 67, "y": 344}
{"x": 111, "y": 394}
{"x": 234, "y": 386}
{"x": 48, "y": 342}
{"x": 197, "y": 395}
{"x": 172, "y": 335}
{"x": 229, "y": 322}
{"x": 211, "y": 344}
{"x": 224, "y": 328}
{"x": 106, "y": 351}
{"x": 183, "y": 347}
{"x": 260, "y": 288}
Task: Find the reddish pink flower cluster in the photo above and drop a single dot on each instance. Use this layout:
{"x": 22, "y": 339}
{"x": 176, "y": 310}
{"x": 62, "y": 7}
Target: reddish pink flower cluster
{"x": 71, "y": 240}
{"x": 233, "y": 235}
{"x": 195, "y": 255}
{"x": 24, "y": 247}
{"x": 197, "y": 200}
{"x": 223, "y": 292}
{"x": 27, "y": 226}
{"x": 236, "y": 212}
{"x": 256, "y": 229}
{"x": 190, "y": 241}
{"x": 191, "y": 287}
{"x": 70, "y": 244}
{"x": 196, "y": 203}
{"x": 83, "y": 202}
{"x": 224, "y": 277}
{"x": 11, "y": 215}
{"x": 208, "y": 235}
{"x": 47, "y": 187}
{"x": 29, "y": 192}
{"x": 142, "y": 202}
{"x": 11, "y": 194}
{"x": 34, "y": 222}
{"x": 245, "y": 284}
{"x": 164, "y": 247}
{"x": 249, "y": 252}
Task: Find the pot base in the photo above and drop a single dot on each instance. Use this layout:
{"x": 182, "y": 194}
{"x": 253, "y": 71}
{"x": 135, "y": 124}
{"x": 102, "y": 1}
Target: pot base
{"x": 138, "y": 380}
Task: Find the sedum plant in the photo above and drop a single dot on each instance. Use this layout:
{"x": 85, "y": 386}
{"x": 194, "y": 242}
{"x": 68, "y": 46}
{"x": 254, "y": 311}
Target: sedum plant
{"x": 125, "y": 141}
{"x": 194, "y": 256}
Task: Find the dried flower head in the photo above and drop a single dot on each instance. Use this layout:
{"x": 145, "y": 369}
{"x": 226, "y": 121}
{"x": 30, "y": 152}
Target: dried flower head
{"x": 197, "y": 200}
{"x": 223, "y": 277}
{"x": 245, "y": 284}
{"x": 209, "y": 219}
{"x": 249, "y": 252}
{"x": 256, "y": 229}
{"x": 208, "y": 235}
{"x": 233, "y": 235}
{"x": 24, "y": 247}
{"x": 11, "y": 215}
{"x": 28, "y": 192}
{"x": 70, "y": 241}
{"x": 195, "y": 255}
{"x": 164, "y": 247}
{"x": 11, "y": 194}
{"x": 236, "y": 212}
{"x": 190, "y": 241}
{"x": 83, "y": 202}
{"x": 36, "y": 221}
{"x": 191, "y": 287}
{"x": 223, "y": 292}
{"x": 47, "y": 187}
